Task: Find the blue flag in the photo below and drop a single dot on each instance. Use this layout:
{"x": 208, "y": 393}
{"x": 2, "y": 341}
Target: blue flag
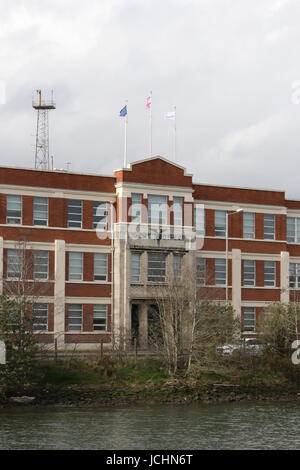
{"x": 123, "y": 111}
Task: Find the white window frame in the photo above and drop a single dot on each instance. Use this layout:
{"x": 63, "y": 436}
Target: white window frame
{"x": 72, "y": 222}
{"x": 37, "y": 256}
{"x": 201, "y": 270}
{"x": 251, "y": 320}
{"x": 100, "y": 215}
{"x": 157, "y": 209}
{"x": 135, "y": 267}
{"x": 199, "y": 220}
{"x": 75, "y": 265}
{"x": 249, "y": 225}
{"x": 177, "y": 266}
{"x": 14, "y": 269}
{"x": 14, "y": 200}
{"x": 294, "y": 275}
{"x": 100, "y": 314}
{"x": 100, "y": 266}
{"x": 220, "y": 223}
{"x": 220, "y": 267}
{"x": 293, "y": 234}
{"x": 157, "y": 267}
{"x": 40, "y": 216}
{"x": 270, "y": 269}
{"x": 249, "y": 273}
{"x": 75, "y": 312}
{"x": 40, "y": 312}
{"x": 269, "y": 234}
{"x": 136, "y": 208}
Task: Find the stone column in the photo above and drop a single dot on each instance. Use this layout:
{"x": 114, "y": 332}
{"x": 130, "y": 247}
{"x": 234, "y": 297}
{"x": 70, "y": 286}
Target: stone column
{"x": 143, "y": 326}
{"x": 284, "y": 277}
{"x": 59, "y": 293}
{"x": 1, "y": 265}
{"x": 237, "y": 282}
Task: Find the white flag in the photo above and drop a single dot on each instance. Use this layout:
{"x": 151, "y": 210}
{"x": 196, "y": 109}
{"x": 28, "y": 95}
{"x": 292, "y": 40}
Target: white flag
{"x": 170, "y": 115}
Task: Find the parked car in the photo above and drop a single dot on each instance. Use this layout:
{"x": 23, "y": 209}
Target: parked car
{"x": 251, "y": 346}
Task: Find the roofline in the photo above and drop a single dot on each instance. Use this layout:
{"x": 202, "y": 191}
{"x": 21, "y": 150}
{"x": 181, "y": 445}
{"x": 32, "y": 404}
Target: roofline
{"x": 56, "y": 171}
{"x": 239, "y": 187}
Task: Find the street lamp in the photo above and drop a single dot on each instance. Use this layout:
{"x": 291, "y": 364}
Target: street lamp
{"x": 227, "y": 215}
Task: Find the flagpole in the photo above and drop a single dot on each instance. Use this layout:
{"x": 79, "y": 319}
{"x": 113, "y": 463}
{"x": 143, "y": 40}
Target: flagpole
{"x": 174, "y": 133}
{"x": 150, "y": 124}
{"x": 125, "y": 140}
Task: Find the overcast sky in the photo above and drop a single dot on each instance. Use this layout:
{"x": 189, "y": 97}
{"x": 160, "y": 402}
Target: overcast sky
{"x": 229, "y": 66}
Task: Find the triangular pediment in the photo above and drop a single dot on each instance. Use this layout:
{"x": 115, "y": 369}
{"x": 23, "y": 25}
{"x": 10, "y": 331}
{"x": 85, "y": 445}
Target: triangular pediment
{"x": 156, "y": 170}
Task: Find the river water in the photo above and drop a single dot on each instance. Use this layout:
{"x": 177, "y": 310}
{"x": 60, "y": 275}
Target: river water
{"x": 198, "y": 426}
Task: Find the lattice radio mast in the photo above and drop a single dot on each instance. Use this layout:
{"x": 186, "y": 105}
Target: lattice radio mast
{"x": 42, "y": 160}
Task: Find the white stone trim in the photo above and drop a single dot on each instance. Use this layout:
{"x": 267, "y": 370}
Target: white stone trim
{"x": 88, "y": 300}
{"x": 232, "y": 206}
{"x": 57, "y": 193}
{"x": 126, "y": 189}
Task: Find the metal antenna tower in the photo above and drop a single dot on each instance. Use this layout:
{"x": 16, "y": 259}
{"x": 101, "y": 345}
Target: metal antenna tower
{"x": 42, "y": 160}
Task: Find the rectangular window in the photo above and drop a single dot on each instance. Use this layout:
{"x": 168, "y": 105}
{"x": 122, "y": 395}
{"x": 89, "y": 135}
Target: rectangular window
{"x": 100, "y": 318}
{"x": 74, "y": 213}
{"x": 156, "y": 267}
{"x": 100, "y": 266}
{"x": 293, "y": 229}
{"x": 135, "y": 267}
{"x": 136, "y": 208}
{"x": 75, "y": 266}
{"x": 249, "y": 273}
{"x": 40, "y": 317}
{"x": 269, "y": 273}
{"x": 200, "y": 270}
{"x": 41, "y": 264}
{"x": 199, "y": 220}
{"x": 13, "y": 209}
{"x": 220, "y": 223}
{"x": 249, "y": 318}
{"x": 220, "y": 271}
{"x": 177, "y": 264}
{"x": 14, "y": 263}
{"x": 40, "y": 211}
{"x": 249, "y": 225}
{"x": 74, "y": 317}
{"x": 177, "y": 210}
{"x": 269, "y": 226}
{"x": 100, "y": 214}
{"x": 157, "y": 209}
{"x": 294, "y": 271}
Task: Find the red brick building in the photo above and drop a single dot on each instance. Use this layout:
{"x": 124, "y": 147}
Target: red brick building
{"x": 98, "y": 244}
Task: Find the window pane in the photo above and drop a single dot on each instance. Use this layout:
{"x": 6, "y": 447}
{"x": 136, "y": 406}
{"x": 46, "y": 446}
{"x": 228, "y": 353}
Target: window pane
{"x": 40, "y": 211}
{"x": 177, "y": 210}
{"x": 291, "y": 229}
{"x": 135, "y": 267}
{"x": 177, "y": 263}
{"x": 199, "y": 218}
{"x": 249, "y": 273}
{"x": 249, "y": 319}
{"x": 220, "y": 223}
{"x": 13, "y": 209}
{"x": 40, "y": 317}
{"x": 100, "y": 266}
{"x": 269, "y": 226}
{"x": 269, "y": 273}
{"x": 100, "y": 214}
{"x": 74, "y": 213}
{"x": 41, "y": 263}
{"x": 14, "y": 263}
{"x": 75, "y": 266}
{"x": 100, "y": 318}
{"x": 136, "y": 208}
{"x": 156, "y": 267}
{"x": 200, "y": 270}
{"x": 220, "y": 271}
{"x": 248, "y": 225}
{"x": 157, "y": 209}
{"x": 74, "y": 317}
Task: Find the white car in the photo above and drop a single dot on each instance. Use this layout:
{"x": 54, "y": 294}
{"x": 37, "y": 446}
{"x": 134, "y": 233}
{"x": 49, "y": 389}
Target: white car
{"x": 249, "y": 345}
